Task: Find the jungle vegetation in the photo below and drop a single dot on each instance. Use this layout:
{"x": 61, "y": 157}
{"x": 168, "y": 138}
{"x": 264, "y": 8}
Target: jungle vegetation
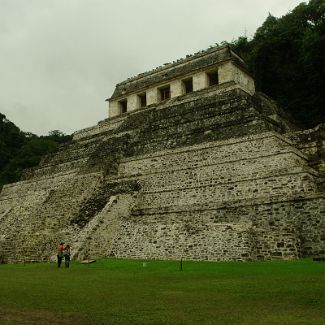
{"x": 286, "y": 57}
{"x": 20, "y": 150}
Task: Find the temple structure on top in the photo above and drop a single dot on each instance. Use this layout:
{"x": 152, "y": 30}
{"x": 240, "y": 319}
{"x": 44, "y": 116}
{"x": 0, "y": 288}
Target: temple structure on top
{"x": 218, "y": 66}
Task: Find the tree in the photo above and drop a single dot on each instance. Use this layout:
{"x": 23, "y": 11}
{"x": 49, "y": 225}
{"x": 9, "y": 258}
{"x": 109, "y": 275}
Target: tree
{"x": 59, "y": 136}
{"x": 286, "y": 55}
{"x": 20, "y": 150}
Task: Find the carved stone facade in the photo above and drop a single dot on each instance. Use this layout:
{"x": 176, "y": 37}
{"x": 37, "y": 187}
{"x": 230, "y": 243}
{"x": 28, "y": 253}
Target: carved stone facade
{"x": 216, "y": 173}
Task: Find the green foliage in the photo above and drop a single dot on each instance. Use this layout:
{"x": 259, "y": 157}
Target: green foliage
{"x": 58, "y": 136}
{"x": 286, "y": 55}
{"x": 125, "y": 292}
{"x": 19, "y": 150}
{"x": 11, "y": 139}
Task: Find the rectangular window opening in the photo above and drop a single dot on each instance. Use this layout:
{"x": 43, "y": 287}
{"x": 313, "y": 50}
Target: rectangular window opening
{"x": 213, "y": 78}
{"x": 142, "y": 100}
{"x": 164, "y": 93}
{"x": 188, "y": 85}
{"x": 123, "y": 106}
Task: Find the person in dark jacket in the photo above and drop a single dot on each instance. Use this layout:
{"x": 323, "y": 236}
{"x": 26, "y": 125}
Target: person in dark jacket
{"x": 67, "y": 253}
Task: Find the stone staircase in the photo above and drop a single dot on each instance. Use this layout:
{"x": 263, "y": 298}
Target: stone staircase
{"x": 80, "y": 248}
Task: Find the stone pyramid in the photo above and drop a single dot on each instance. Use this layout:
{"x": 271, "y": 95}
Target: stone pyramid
{"x": 191, "y": 163}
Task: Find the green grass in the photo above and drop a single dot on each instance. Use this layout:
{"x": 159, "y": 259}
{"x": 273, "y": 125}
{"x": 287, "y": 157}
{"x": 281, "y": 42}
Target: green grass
{"x": 124, "y": 292}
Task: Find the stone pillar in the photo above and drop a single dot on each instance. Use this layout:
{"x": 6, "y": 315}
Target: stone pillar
{"x": 176, "y": 88}
{"x": 133, "y": 102}
{"x": 152, "y": 96}
{"x": 114, "y": 109}
{"x": 200, "y": 81}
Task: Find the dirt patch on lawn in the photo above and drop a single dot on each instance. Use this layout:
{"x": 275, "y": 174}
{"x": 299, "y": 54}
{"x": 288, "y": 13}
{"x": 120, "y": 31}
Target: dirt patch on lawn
{"x": 41, "y": 316}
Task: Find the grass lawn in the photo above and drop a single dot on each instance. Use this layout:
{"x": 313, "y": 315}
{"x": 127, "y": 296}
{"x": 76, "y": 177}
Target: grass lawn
{"x": 124, "y": 292}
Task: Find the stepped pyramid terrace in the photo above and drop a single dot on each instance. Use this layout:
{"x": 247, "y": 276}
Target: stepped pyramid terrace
{"x": 191, "y": 162}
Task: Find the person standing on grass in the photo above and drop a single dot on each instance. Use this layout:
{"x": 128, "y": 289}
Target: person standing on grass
{"x": 66, "y": 253}
{"x": 60, "y": 253}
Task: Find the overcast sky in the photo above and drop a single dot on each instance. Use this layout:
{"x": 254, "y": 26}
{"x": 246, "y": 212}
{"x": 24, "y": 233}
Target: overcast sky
{"x": 60, "y": 59}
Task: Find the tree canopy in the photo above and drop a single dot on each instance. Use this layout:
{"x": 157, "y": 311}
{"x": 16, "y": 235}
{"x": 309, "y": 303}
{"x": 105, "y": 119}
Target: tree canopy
{"x": 286, "y": 56}
{"x": 20, "y": 150}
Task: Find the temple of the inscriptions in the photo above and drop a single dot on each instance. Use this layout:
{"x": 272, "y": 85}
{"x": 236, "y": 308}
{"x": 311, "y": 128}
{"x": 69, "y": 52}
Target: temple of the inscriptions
{"x": 191, "y": 163}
